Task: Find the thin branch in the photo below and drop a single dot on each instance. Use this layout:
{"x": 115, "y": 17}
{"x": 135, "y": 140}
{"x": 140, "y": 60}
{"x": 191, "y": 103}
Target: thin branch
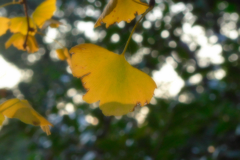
{"x": 24, "y": 3}
{"x": 151, "y": 3}
{"x": 129, "y": 38}
{"x": 10, "y": 3}
{"x": 42, "y": 34}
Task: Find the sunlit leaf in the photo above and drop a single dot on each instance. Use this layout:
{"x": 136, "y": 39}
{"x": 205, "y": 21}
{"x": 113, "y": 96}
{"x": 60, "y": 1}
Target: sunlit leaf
{"x": 17, "y": 40}
{"x": 121, "y": 10}
{"x": 32, "y": 45}
{"x": 44, "y": 12}
{"x": 62, "y": 53}
{"x": 52, "y": 23}
{"x": 19, "y": 24}
{"x": 110, "y": 79}
{"x": 22, "y": 110}
{"x": 4, "y": 25}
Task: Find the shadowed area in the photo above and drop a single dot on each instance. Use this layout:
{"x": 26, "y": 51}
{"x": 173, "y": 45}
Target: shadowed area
{"x": 117, "y": 109}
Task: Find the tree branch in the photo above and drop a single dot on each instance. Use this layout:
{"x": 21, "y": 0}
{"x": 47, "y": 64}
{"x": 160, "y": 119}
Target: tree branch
{"x": 24, "y": 3}
{"x": 152, "y": 3}
{"x": 10, "y": 3}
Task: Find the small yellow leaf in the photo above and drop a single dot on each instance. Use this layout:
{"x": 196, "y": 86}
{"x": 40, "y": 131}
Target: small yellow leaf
{"x": 110, "y": 79}
{"x": 52, "y": 23}
{"x": 32, "y": 45}
{"x": 62, "y": 53}
{"x": 121, "y": 10}
{"x": 22, "y": 110}
{"x": 4, "y": 25}
{"x": 17, "y": 40}
{"x": 44, "y": 12}
{"x": 19, "y": 24}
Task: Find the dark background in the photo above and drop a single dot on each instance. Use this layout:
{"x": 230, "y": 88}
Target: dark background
{"x": 201, "y": 122}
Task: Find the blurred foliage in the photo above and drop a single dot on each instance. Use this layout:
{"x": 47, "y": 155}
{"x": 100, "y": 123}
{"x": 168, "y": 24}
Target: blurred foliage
{"x": 206, "y": 127}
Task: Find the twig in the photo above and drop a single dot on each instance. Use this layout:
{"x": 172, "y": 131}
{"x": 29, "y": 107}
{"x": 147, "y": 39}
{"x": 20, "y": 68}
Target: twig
{"x": 10, "y": 3}
{"x": 24, "y": 3}
{"x": 152, "y": 3}
{"x": 129, "y": 38}
{"x": 42, "y": 34}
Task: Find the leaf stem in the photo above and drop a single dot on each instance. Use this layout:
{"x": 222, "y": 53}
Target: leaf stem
{"x": 10, "y": 3}
{"x": 129, "y": 38}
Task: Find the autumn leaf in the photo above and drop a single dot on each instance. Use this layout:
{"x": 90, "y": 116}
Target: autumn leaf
{"x": 42, "y": 13}
{"x": 18, "y": 39}
{"x": 19, "y": 25}
{"x": 4, "y": 25}
{"x": 52, "y": 23}
{"x": 121, "y": 10}
{"x": 22, "y": 110}
{"x": 24, "y": 32}
{"x": 62, "y": 53}
{"x": 110, "y": 79}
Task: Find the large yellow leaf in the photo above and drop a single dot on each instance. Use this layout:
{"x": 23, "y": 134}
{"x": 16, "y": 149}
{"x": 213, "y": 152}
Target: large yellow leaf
{"x": 44, "y": 12}
{"x": 121, "y": 10}
{"x": 110, "y": 79}
{"x": 19, "y": 24}
{"x": 17, "y": 40}
{"x": 22, "y": 110}
{"x": 4, "y": 25}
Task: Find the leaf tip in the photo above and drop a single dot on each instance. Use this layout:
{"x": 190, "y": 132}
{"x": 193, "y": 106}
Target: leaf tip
{"x": 46, "y": 129}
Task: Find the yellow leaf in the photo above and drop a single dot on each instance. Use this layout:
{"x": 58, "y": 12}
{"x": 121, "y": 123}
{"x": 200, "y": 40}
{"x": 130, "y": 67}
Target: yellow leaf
{"x": 32, "y": 45}
{"x": 44, "y": 12}
{"x": 22, "y": 110}
{"x": 62, "y": 53}
{"x": 110, "y": 79}
{"x": 121, "y": 10}
{"x": 52, "y": 23}
{"x": 17, "y": 40}
{"x": 4, "y": 25}
{"x": 19, "y": 24}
